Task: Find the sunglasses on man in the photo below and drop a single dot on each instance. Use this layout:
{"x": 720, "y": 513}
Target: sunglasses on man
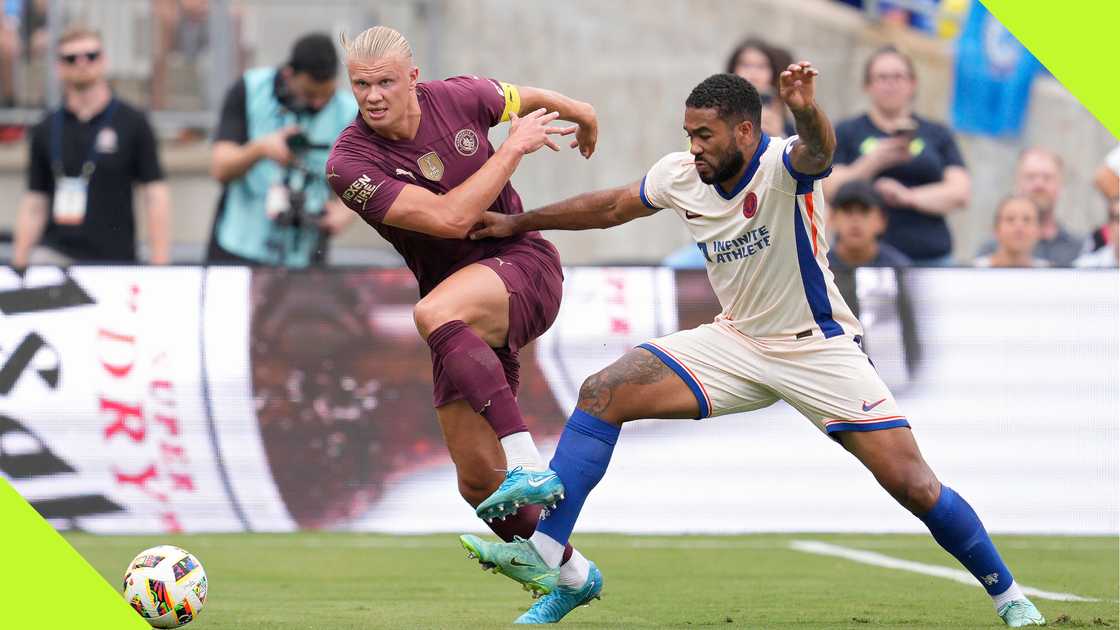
{"x": 90, "y": 57}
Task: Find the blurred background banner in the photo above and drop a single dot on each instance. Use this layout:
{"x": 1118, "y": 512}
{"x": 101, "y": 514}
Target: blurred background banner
{"x": 992, "y": 85}
{"x": 189, "y": 399}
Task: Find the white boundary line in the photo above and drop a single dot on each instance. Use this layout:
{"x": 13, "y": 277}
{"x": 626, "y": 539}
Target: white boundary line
{"x": 879, "y": 560}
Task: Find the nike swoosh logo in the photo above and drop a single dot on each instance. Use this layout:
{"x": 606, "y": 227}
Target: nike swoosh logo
{"x": 691, "y": 215}
{"x": 867, "y": 407}
{"x": 514, "y": 562}
{"x": 536, "y": 483}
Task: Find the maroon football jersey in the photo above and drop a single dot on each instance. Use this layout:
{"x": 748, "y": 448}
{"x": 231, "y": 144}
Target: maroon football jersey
{"x": 368, "y": 172}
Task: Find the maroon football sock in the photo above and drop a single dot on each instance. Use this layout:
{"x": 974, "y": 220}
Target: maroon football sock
{"x": 523, "y": 524}
{"x": 567, "y": 554}
{"x": 477, "y": 373}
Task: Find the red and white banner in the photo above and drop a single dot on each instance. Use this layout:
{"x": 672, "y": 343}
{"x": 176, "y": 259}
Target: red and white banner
{"x": 188, "y": 399}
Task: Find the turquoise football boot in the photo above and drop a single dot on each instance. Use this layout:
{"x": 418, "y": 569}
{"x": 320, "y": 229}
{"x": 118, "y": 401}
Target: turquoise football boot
{"x": 521, "y": 487}
{"x": 1021, "y": 612}
{"x": 517, "y": 560}
{"x": 564, "y": 599}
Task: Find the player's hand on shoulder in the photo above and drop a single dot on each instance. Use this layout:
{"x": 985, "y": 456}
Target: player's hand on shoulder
{"x": 588, "y": 133}
{"x": 796, "y": 85}
{"x": 493, "y": 225}
{"x": 275, "y": 145}
{"x": 530, "y": 132}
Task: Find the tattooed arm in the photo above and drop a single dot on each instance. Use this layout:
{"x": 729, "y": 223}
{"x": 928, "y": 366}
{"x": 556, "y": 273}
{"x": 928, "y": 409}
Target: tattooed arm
{"x": 817, "y": 141}
{"x": 594, "y": 210}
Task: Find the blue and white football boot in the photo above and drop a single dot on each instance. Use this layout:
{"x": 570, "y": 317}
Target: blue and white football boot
{"x": 564, "y": 599}
{"x": 522, "y": 487}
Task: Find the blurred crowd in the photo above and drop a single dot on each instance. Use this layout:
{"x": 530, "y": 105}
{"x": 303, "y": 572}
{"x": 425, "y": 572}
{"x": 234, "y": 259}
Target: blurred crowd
{"x": 897, "y": 176}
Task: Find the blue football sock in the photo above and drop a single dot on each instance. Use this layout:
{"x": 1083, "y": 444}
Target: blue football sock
{"x": 958, "y": 530}
{"x": 580, "y": 461}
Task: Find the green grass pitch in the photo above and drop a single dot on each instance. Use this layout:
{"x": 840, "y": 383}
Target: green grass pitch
{"x": 334, "y": 581}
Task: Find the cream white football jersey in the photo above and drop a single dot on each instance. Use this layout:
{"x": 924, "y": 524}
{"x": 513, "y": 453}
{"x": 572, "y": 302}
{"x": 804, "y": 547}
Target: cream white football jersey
{"x": 763, "y": 242}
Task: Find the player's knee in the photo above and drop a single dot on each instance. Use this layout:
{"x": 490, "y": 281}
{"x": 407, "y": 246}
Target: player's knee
{"x": 429, "y": 315}
{"x": 475, "y": 488}
{"x": 916, "y": 489}
{"x": 597, "y": 398}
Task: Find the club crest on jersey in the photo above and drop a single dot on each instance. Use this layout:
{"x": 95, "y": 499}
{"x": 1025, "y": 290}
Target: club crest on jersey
{"x": 750, "y": 205}
{"x": 431, "y": 166}
{"x": 466, "y": 142}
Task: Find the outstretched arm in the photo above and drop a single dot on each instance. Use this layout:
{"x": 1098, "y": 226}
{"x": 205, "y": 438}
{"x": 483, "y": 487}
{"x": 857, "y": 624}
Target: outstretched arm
{"x": 593, "y": 210}
{"x": 571, "y": 110}
{"x": 813, "y": 153}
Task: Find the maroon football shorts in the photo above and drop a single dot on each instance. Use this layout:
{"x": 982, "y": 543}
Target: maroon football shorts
{"x": 534, "y": 280}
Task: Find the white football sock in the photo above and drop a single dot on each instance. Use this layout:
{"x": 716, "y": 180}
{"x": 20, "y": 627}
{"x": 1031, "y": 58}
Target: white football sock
{"x": 574, "y": 572}
{"x": 551, "y": 551}
{"x": 521, "y": 451}
{"x": 1012, "y": 593}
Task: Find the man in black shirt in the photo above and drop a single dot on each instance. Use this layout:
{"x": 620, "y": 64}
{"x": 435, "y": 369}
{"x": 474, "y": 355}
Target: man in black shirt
{"x": 858, "y": 221}
{"x": 85, "y": 158}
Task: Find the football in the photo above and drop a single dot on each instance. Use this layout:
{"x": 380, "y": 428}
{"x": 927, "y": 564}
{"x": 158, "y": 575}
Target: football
{"x": 166, "y": 585}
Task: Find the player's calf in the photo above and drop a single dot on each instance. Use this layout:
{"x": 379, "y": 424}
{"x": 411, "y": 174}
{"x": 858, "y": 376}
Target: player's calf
{"x": 892, "y": 456}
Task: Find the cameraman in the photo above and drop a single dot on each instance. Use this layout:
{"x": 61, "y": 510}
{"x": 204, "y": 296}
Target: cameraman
{"x": 270, "y": 152}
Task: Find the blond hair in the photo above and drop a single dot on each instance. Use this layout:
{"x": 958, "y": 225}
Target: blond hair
{"x": 375, "y": 43}
{"x": 76, "y": 32}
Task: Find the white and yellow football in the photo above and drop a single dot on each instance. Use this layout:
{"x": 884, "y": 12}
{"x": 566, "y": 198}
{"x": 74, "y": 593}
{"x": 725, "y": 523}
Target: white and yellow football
{"x": 166, "y": 585}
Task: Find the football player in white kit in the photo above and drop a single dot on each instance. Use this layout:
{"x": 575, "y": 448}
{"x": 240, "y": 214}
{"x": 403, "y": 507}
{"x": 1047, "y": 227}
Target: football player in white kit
{"x": 754, "y": 206}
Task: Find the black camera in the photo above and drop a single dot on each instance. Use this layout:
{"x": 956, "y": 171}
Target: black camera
{"x": 299, "y": 143}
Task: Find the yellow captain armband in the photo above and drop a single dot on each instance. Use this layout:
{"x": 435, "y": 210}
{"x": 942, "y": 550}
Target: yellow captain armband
{"x": 513, "y": 100}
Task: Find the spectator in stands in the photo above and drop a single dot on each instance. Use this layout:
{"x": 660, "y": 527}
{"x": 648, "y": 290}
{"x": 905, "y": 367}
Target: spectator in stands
{"x": 85, "y": 158}
{"x": 1107, "y": 177}
{"x": 1038, "y": 175}
{"x": 914, "y": 163}
{"x": 857, "y": 221}
{"x": 182, "y": 31}
{"x": 1107, "y": 181}
{"x": 1103, "y": 245}
{"x": 1018, "y": 225}
{"x": 270, "y": 153}
{"x": 9, "y": 50}
{"x": 760, "y": 63}
{"x": 11, "y": 46}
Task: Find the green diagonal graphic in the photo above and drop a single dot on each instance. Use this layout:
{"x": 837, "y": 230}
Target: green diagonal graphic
{"x": 1076, "y": 41}
{"x": 45, "y": 584}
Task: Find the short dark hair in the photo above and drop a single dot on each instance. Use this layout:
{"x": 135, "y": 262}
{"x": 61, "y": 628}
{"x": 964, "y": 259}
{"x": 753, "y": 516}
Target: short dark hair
{"x": 889, "y": 49}
{"x": 732, "y": 96}
{"x": 857, "y": 194}
{"x": 315, "y": 55}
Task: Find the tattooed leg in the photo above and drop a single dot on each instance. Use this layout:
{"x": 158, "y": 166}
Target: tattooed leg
{"x": 637, "y": 385}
